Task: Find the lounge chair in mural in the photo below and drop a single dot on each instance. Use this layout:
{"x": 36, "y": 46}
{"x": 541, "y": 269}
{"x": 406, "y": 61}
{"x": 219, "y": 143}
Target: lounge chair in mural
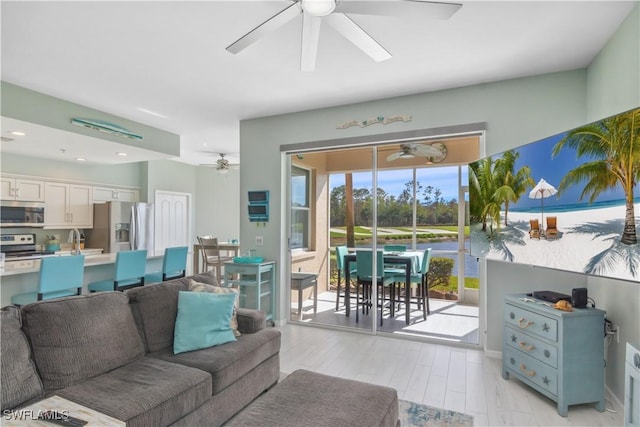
{"x": 552, "y": 227}
{"x": 534, "y": 232}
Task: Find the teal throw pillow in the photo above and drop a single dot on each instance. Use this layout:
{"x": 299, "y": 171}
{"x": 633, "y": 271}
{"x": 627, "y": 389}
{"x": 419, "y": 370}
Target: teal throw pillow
{"x": 204, "y": 320}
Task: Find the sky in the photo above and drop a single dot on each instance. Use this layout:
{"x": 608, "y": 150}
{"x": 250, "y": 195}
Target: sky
{"x": 538, "y": 156}
{"x": 445, "y": 178}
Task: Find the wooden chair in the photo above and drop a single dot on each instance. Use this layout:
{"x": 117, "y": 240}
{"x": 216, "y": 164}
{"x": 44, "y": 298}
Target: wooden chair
{"x": 59, "y": 276}
{"x": 130, "y": 268}
{"x": 534, "y": 232}
{"x": 211, "y": 256}
{"x": 174, "y": 266}
{"x": 552, "y": 227}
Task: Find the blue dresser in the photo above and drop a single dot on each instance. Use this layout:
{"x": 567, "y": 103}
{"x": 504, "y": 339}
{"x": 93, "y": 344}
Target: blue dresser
{"x": 558, "y": 353}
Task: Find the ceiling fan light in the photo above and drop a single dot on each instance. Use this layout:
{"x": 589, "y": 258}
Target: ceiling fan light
{"x": 222, "y": 171}
{"x": 318, "y": 7}
{"x": 407, "y": 156}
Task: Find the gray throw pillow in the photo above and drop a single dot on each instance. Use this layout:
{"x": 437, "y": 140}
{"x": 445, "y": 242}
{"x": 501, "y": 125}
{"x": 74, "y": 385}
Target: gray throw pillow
{"x": 20, "y": 381}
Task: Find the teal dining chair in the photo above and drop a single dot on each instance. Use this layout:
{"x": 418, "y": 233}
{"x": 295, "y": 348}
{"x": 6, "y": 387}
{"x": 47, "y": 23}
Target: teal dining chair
{"x": 174, "y": 266}
{"x": 60, "y": 276}
{"x": 341, "y": 251}
{"x": 421, "y": 279}
{"x": 364, "y": 272}
{"x": 130, "y": 267}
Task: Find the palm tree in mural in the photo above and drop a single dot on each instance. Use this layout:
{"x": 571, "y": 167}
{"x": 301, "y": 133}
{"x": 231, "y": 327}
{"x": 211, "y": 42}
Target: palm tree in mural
{"x": 518, "y": 181}
{"x": 487, "y": 188}
{"x": 613, "y": 147}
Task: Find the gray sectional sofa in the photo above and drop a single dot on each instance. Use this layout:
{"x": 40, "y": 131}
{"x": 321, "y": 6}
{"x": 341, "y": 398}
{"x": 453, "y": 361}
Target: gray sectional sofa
{"x": 113, "y": 352}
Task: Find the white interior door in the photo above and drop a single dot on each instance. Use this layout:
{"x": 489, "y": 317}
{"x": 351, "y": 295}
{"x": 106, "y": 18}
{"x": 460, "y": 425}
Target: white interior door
{"x": 172, "y": 222}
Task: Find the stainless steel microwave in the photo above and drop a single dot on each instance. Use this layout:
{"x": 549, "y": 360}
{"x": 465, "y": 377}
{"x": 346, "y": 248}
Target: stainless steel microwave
{"x": 21, "y": 214}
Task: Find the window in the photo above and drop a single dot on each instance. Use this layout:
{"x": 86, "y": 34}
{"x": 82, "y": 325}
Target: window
{"x": 300, "y": 207}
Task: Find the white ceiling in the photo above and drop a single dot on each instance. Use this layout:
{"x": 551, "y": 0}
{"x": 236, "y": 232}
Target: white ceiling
{"x": 170, "y": 58}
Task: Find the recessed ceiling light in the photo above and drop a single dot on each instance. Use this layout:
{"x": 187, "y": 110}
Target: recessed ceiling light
{"x": 81, "y": 159}
{"x": 153, "y": 113}
{"x": 120, "y": 153}
{"x": 17, "y": 133}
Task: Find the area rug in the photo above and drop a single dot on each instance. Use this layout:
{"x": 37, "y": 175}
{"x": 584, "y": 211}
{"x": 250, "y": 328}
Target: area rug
{"x": 417, "y": 415}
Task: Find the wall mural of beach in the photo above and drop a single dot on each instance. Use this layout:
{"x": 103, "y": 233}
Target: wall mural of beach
{"x": 570, "y": 201}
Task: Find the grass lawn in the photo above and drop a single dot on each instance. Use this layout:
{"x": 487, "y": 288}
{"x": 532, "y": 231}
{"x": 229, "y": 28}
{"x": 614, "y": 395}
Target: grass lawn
{"x": 403, "y": 232}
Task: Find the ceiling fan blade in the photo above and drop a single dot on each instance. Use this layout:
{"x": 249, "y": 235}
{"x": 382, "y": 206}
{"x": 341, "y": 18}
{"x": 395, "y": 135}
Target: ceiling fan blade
{"x": 310, "y": 38}
{"x": 356, "y": 35}
{"x": 394, "y": 156}
{"x": 426, "y": 9}
{"x": 271, "y": 24}
{"x": 426, "y": 151}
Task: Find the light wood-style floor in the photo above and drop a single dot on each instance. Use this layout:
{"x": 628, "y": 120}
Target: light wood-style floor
{"x": 451, "y": 377}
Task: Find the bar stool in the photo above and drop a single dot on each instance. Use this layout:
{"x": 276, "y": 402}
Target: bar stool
{"x": 130, "y": 267}
{"x": 174, "y": 266}
{"x": 59, "y": 276}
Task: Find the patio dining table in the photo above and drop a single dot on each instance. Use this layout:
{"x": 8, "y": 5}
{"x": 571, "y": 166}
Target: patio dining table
{"x": 410, "y": 260}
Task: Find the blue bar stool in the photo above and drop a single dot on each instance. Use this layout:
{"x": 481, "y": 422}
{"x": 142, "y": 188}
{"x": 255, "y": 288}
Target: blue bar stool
{"x": 60, "y": 276}
{"x": 130, "y": 267}
{"x": 174, "y": 266}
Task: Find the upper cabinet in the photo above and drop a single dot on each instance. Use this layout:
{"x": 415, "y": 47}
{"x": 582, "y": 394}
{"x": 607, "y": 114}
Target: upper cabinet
{"x": 68, "y": 205}
{"x": 22, "y": 189}
{"x": 109, "y": 194}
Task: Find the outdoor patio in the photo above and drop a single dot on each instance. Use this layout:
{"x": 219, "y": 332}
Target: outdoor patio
{"x": 448, "y": 321}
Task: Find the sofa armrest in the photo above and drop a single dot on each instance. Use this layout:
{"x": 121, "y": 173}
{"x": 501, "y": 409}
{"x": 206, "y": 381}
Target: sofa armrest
{"x": 251, "y": 321}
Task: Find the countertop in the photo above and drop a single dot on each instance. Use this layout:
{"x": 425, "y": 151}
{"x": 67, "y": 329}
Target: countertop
{"x": 92, "y": 258}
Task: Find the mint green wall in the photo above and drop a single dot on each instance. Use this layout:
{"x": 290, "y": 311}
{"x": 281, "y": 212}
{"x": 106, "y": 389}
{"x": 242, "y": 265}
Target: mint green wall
{"x": 218, "y": 213}
{"x": 34, "y": 107}
{"x": 129, "y": 174}
{"x": 516, "y": 112}
{"x": 614, "y": 86}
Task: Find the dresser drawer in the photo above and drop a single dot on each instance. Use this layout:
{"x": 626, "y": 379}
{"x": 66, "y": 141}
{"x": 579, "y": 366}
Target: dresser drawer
{"x": 526, "y": 343}
{"x": 531, "y": 322}
{"x": 529, "y": 369}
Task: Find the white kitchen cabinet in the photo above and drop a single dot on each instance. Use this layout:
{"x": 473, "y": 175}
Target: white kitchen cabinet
{"x": 109, "y": 194}
{"x": 68, "y": 205}
{"x": 27, "y": 190}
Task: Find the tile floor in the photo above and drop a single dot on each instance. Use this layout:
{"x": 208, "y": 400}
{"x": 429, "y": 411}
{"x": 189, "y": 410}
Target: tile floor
{"x": 441, "y": 375}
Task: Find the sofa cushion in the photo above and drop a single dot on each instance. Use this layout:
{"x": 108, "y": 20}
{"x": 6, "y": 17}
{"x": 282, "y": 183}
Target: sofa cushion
{"x": 204, "y": 320}
{"x": 79, "y": 337}
{"x": 227, "y": 363}
{"x": 146, "y": 392}
{"x": 20, "y": 381}
{"x": 203, "y": 287}
{"x": 155, "y": 309}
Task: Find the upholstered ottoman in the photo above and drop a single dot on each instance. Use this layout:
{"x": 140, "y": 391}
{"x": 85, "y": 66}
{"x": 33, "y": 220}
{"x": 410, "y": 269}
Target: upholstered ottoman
{"x": 307, "y": 399}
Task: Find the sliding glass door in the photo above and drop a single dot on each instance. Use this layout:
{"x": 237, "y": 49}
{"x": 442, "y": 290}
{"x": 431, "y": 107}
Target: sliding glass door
{"x": 366, "y": 198}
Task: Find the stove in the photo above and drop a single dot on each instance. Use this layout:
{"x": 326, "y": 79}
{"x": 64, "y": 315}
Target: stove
{"x": 21, "y": 246}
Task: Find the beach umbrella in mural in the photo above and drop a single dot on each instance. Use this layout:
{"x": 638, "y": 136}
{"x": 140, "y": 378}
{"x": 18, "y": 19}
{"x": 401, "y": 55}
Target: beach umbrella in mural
{"x": 542, "y": 190}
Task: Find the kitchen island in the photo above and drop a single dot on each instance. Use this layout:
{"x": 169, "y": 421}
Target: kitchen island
{"x": 21, "y": 276}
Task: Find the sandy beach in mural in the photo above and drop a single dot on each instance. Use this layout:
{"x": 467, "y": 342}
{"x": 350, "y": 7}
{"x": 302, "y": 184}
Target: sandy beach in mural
{"x": 588, "y": 241}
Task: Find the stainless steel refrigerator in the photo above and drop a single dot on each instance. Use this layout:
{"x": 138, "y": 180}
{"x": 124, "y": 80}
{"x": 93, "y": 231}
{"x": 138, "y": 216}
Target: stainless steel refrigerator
{"x": 121, "y": 226}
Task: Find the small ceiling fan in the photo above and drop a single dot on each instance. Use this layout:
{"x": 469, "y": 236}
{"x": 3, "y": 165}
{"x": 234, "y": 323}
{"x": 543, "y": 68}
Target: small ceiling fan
{"x": 435, "y": 152}
{"x": 334, "y": 13}
{"x": 222, "y": 165}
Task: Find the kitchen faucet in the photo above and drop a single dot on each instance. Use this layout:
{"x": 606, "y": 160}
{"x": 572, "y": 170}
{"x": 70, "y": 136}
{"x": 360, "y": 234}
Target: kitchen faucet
{"x": 76, "y": 240}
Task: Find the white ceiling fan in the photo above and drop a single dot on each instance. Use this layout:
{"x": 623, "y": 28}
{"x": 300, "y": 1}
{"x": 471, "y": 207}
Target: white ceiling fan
{"x": 222, "y": 165}
{"x": 435, "y": 152}
{"x": 334, "y": 13}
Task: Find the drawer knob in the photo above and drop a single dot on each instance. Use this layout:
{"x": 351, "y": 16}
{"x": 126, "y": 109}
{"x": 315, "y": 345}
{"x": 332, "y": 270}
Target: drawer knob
{"x": 512, "y": 316}
{"x": 524, "y": 370}
{"x": 547, "y": 354}
{"x": 525, "y": 347}
{"x": 524, "y": 323}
